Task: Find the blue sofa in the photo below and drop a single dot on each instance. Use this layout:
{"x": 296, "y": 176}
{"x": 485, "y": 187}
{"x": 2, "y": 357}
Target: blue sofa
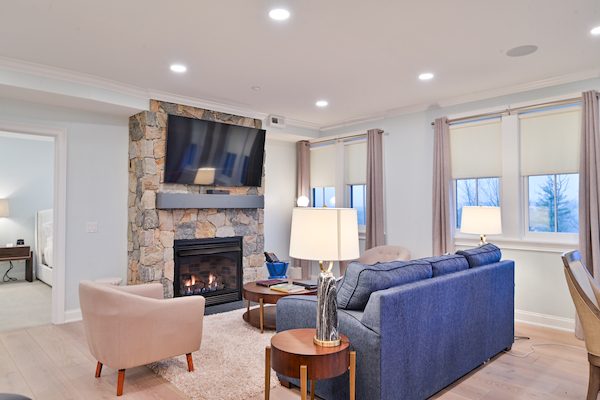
{"x": 416, "y": 326}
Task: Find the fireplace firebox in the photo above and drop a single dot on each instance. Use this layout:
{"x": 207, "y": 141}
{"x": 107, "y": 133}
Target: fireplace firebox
{"x": 209, "y": 267}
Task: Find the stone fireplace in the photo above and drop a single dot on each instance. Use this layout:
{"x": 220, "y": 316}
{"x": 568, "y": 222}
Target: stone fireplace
{"x": 152, "y": 230}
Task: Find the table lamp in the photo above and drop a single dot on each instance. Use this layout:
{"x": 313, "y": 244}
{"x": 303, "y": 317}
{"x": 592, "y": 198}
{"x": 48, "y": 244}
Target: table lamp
{"x": 4, "y": 211}
{"x": 482, "y": 221}
{"x": 325, "y": 234}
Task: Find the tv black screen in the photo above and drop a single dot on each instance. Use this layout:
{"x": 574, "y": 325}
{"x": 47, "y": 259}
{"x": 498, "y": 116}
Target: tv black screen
{"x": 211, "y": 153}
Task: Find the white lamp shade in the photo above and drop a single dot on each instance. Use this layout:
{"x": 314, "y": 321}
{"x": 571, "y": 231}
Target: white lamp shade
{"x": 481, "y": 220}
{"x": 324, "y": 234}
{"x": 4, "y": 211}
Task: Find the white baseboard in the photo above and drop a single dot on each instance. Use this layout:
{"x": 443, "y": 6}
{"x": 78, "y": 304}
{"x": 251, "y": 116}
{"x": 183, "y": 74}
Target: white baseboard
{"x": 73, "y": 315}
{"x": 546, "y": 321}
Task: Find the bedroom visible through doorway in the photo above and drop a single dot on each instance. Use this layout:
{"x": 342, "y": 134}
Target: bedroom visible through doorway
{"x": 27, "y": 196}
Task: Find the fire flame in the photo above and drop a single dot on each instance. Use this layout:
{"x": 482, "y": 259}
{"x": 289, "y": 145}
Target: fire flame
{"x": 210, "y": 279}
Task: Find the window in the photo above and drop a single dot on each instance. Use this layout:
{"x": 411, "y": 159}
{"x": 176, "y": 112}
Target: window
{"x": 338, "y": 175}
{"x": 527, "y": 163}
{"x": 476, "y": 172}
{"x": 323, "y": 197}
{"x": 554, "y": 203}
{"x": 358, "y": 200}
{"x": 550, "y": 141}
{"x": 476, "y": 192}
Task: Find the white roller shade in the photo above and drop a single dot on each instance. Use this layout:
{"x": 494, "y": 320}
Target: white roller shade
{"x": 322, "y": 166}
{"x": 550, "y": 142}
{"x": 356, "y": 163}
{"x": 476, "y": 149}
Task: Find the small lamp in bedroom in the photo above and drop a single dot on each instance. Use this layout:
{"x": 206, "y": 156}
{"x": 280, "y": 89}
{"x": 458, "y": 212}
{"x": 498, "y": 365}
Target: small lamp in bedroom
{"x": 4, "y": 211}
{"x": 482, "y": 221}
{"x": 325, "y": 234}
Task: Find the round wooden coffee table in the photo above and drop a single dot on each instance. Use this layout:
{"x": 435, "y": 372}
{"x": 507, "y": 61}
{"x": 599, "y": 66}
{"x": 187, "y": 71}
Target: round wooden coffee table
{"x": 265, "y": 317}
{"x": 292, "y": 353}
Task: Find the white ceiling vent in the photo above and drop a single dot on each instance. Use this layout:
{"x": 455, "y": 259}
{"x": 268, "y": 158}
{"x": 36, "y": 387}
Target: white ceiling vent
{"x": 276, "y": 121}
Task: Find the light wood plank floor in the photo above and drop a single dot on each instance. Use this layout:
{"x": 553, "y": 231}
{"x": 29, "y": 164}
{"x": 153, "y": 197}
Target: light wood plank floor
{"x": 53, "y": 362}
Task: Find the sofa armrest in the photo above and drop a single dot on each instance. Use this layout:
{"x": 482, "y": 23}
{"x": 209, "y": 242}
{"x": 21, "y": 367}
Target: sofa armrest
{"x": 152, "y": 290}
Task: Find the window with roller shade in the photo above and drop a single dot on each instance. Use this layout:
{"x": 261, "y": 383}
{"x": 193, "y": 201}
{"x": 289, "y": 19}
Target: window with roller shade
{"x": 476, "y": 155}
{"x": 340, "y": 168}
{"x": 550, "y": 147}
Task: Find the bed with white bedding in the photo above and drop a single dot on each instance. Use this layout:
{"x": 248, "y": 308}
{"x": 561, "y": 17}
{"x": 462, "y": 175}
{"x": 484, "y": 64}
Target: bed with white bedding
{"x": 44, "y": 245}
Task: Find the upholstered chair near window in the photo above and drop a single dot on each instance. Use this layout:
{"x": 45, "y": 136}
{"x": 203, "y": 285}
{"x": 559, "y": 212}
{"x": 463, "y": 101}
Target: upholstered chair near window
{"x": 586, "y": 296}
{"x": 129, "y": 326}
{"x": 379, "y": 254}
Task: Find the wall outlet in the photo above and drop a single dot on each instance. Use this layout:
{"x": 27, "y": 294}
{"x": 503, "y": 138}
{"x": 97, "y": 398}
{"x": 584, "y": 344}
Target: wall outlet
{"x": 92, "y": 227}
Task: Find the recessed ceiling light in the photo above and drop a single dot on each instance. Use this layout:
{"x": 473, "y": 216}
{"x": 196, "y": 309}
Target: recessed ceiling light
{"x": 596, "y": 30}
{"x": 255, "y": 88}
{"x": 322, "y": 103}
{"x": 521, "y": 51}
{"x": 426, "y": 76}
{"x": 279, "y": 14}
{"x": 178, "y": 68}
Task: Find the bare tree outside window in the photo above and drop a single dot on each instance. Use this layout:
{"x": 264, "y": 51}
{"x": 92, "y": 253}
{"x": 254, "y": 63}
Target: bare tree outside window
{"x": 554, "y": 203}
{"x": 476, "y": 192}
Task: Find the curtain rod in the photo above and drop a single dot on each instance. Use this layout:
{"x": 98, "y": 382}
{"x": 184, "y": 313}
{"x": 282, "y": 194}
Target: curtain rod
{"x": 518, "y": 109}
{"x": 362, "y": 135}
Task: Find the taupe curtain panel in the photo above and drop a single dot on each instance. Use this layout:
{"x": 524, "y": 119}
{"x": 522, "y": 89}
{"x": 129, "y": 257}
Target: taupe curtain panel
{"x": 589, "y": 189}
{"x": 375, "y": 219}
{"x": 443, "y": 240}
{"x": 303, "y": 190}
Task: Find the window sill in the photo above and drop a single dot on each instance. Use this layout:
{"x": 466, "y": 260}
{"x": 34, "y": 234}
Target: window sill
{"x": 527, "y": 245}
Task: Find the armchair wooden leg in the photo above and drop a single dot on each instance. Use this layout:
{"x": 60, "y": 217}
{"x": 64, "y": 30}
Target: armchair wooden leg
{"x": 594, "y": 384}
{"x": 120, "y": 382}
{"x": 190, "y": 362}
{"x": 98, "y": 369}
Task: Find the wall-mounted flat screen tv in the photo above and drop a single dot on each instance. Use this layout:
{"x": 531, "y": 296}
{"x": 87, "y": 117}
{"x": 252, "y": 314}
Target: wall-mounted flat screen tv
{"x": 211, "y": 153}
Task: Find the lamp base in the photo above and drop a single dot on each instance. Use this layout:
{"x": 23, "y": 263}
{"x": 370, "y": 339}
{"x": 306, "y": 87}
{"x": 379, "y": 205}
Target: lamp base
{"x": 482, "y": 240}
{"x": 327, "y": 343}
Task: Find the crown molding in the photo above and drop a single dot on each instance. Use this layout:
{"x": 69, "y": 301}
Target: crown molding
{"x": 302, "y": 124}
{"x": 71, "y": 76}
{"x": 354, "y": 121}
{"x": 468, "y": 98}
{"x": 119, "y": 87}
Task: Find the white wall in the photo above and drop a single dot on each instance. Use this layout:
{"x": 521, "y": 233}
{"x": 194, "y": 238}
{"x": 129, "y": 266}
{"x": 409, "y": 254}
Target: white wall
{"x": 27, "y": 181}
{"x": 97, "y": 173}
{"x": 280, "y": 196}
{"x": 408, "y": 153}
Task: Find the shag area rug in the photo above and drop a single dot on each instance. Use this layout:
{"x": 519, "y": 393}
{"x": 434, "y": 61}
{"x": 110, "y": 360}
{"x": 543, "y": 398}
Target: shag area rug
{"x": 230, "y": 364}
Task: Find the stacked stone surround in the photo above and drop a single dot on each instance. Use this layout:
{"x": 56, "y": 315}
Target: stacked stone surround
{"x": 152, "y": 232}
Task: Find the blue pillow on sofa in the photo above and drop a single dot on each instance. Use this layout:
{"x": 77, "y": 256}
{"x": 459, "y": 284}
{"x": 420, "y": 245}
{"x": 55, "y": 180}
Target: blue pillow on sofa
{"x": 482, "y": 255}
{"x": 361, "y": 280}
{"x": 447, "y": 264}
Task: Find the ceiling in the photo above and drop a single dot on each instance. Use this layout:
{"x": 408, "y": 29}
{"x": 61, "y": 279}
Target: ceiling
{"x": 363, "y": 57}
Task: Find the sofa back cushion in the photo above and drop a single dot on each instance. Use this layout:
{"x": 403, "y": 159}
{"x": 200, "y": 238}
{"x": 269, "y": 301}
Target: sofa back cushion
{"x": 447, "y": 264}
{"x": 361, "y": 280}
{"x": 482, "y": 255}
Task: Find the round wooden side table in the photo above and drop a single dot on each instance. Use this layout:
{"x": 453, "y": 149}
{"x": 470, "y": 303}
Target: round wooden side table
{"x": 265, "y": 317}
{"x": 292, "y": 353}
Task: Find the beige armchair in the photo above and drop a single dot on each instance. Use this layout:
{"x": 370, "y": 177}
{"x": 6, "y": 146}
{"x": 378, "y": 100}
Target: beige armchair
{"x": 379, "y": 254}
{"x": 128, "y": 326}
{"x": 586, "y": 296}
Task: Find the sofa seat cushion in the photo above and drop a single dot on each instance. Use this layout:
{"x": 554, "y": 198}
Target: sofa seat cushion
{"x": 482, "y": 255}
{"x": 447, "y": 264}
{"x": 361, "y": 280}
